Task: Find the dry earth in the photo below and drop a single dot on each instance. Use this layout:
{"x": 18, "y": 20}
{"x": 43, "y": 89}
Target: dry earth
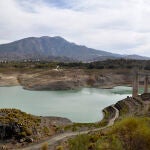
{"x": 51, "y": 79}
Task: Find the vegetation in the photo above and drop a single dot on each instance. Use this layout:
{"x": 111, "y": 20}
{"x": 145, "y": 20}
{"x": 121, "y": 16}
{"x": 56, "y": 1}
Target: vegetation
{"x": 15, "y": 118}
{"x": 107, "y": 64}
{"x": 25, "y": 124}
{"x": 129, "y": 134}
{"x": 60, "y": 148}
{"x": 44, "y": 146}
{"x": 14, "y": 115}
{"x": 46, "y": 130}
{"x": 78, "y": 126}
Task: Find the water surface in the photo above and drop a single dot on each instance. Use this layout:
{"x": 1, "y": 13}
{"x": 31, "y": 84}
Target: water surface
{"x": 83, "y": 105}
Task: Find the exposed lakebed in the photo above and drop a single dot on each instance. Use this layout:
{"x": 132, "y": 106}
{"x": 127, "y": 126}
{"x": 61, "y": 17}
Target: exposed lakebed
{"x": 84, "y": 105}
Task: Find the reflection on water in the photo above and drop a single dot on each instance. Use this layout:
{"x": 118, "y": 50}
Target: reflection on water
{"x": 83, "y": 105}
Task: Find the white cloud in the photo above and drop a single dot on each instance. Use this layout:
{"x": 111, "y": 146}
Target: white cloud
{"x": 114, "y": 25}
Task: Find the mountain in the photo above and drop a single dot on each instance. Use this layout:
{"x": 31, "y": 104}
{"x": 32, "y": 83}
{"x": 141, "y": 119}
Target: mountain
{"x": 51, "y": 48}
{"x": 136, "y": 57}
{"x": 130, "y": 57}
{"x": 47, "y": 48}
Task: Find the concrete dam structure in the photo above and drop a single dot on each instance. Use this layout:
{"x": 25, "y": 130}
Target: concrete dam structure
{"x": 136, "y": 83}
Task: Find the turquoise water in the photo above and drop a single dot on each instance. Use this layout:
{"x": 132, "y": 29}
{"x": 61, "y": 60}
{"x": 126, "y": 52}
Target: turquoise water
{"x": 83, "y": 105}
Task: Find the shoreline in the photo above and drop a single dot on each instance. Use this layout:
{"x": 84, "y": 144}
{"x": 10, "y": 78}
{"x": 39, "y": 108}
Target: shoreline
{"x": 67, "y": 79}
{"x": 86, "y": 122}
{"x": 78, "y": 88}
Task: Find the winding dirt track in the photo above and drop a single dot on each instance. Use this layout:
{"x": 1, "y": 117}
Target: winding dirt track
{"x": 59, "y": 137}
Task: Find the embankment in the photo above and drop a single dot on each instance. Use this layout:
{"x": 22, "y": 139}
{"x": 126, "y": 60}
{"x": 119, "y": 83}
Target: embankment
{"x": 50, "y": 79}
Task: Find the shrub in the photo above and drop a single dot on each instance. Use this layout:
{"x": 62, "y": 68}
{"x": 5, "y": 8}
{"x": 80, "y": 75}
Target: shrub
{"x": 59, "y": 148}
{"x": 46, "y": 130}
{"x": 28, "y": 131}
{"x": 128, "y": 134}
{"x": 23, "y": 134}
{"x": 44, "y": 146}
{"x": 134, "y": 133}
{"x": 109, "y": 143}
{"x": 80, "y": 142}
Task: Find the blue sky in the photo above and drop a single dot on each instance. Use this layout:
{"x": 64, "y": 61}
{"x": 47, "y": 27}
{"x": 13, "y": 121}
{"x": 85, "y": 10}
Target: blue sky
{"x": 119, "y": 26}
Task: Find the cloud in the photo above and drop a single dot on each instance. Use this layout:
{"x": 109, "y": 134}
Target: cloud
{"x": 114, "y": 25}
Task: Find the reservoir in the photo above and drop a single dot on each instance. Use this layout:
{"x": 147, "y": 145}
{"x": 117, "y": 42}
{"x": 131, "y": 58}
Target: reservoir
{"x": 84, "y": 105}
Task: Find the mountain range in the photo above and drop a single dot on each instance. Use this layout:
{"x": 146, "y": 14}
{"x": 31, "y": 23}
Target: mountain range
{"x": 55, "y": 48}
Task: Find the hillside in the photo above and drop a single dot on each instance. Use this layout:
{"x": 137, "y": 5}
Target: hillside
{"x": 130, "y": 132}
{"x": 47, "y": 47}
{"x": 18, "y": 128}
{"x": 53, "y": 48}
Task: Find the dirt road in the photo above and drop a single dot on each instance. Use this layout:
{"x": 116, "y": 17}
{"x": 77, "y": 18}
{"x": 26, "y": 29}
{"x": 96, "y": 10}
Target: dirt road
{"x": 57, "y": 138}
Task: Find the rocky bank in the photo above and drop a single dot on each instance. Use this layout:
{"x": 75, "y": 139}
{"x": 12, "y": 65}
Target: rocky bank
{"x": 51, "y": 79}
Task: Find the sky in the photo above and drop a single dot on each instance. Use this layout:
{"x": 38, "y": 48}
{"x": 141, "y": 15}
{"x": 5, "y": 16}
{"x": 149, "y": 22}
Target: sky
{"x": 117, "y": 26}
